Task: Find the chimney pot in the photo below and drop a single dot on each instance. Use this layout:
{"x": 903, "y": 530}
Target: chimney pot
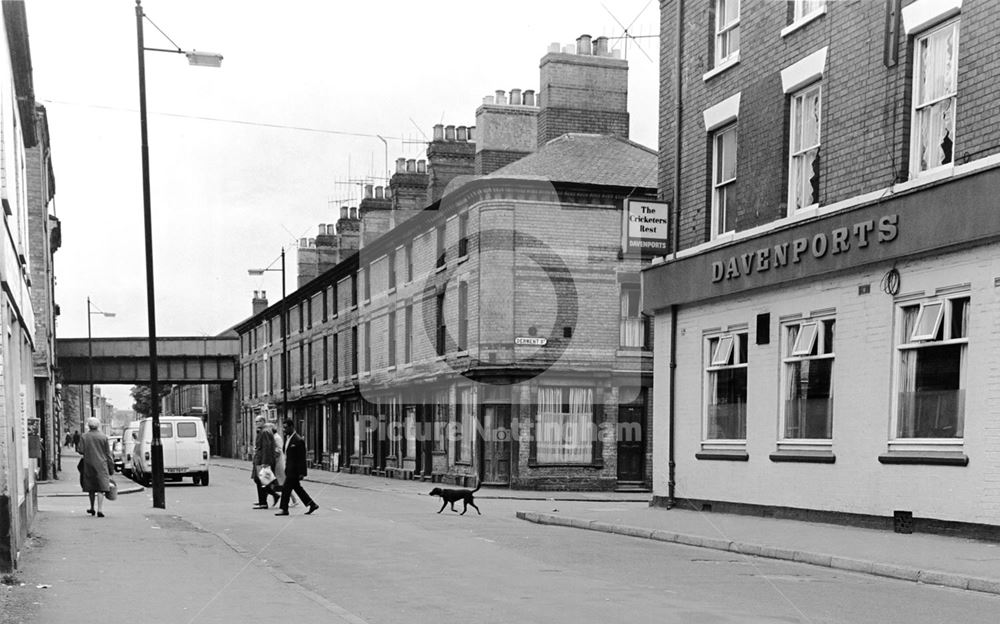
{"x": 263, "y": 294}
{"x": 439, "y": 132}
{"x": 472, "y": 133}
{"x": 501, "y": 97}
{"x": 256, "y": 295}
{"x": 449, "y": 133}
{"x": 583, "y": 45}
{"x": 488, "y": 99}
{"x": 461, "y": 133}
{"x": 400, "y": 165}
{"x": 322, "y": 229}
{"x": 555, "y": 46}
{"x": 601, "y": 46}
{"x": 411, "y": 165}
{"x": 312, "y": 242}
{"x": 354, "y": 212}
{"x": 368, "y": 191}
{"x": 529, "y": 97}
{"x": 568, "y": 49}
{"x": 344, "y": 212}
{"x": 515, "y": 97}
{"x": 303, "y": 242}
{"x": 421, "y": 166}
{"x": 378, "y": 192}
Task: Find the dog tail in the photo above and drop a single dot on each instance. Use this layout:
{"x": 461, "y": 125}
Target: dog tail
{"x": 478, "y": 485}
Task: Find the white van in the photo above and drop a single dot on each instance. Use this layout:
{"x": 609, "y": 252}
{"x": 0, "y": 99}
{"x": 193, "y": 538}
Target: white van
{"x": 185, "y": 450}
{"x": 129, "y": 436}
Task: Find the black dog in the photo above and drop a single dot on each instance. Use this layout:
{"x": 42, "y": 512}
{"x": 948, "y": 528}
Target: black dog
{"x": 453, "y": 496}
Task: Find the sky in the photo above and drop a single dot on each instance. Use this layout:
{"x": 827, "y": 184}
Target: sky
{"x": 250, "y": 157}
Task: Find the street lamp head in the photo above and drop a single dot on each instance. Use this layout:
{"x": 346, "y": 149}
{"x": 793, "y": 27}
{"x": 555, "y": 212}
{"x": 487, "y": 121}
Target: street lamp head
{"x": 204, "y": 59}
{"x": 255, "y": 272}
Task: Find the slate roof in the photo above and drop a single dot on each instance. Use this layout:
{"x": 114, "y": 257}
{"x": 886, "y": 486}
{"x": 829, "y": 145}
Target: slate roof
{"x": 586, "y": 159}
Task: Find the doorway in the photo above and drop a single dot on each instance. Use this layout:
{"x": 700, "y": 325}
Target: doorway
{"x": 497, "y": 445}
{"x": 631, "y": 440}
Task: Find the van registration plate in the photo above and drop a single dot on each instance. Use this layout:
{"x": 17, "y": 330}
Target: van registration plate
{"x": 172, "y": 469}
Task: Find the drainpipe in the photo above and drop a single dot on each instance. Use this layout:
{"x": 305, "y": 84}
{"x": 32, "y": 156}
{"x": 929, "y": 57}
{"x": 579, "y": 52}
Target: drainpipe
{"x": 678, "y": 109}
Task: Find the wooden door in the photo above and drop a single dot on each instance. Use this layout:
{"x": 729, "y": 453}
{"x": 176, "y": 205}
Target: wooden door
{"x": 631, "y": 441}
{"x": 497, "y": 445}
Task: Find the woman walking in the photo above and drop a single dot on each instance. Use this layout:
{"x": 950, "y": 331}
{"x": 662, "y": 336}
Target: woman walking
{"x": 96, "y": 466}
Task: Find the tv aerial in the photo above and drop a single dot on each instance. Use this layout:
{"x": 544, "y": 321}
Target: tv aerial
{"x": 626, "y": 35}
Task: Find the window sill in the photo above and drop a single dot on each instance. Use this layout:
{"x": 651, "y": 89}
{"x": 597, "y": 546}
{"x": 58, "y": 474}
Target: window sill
{"x": 440, "y": 268}
{"x": 803, "y": 457}
{"x": 718, "y": 69}
{"x": 787, "y": 30}
{"x": 723, "y": 455}
{"x": 462, "y": 259}
{"x": 928, "y": 458}
{"x": 391, "y": 369}
{"x": 392, "y": 290}
{"x": 640, "y": 352}
{"x": 536, "y": 464}
{"x": 367, "y": 301}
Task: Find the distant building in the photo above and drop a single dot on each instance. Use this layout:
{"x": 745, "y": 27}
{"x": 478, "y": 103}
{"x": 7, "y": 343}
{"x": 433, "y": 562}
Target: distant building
{"x": 830, "y": 301}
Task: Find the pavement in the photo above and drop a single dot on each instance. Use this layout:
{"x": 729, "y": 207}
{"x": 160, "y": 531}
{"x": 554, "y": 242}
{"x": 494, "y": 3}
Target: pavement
{"x": 68, "y": 563}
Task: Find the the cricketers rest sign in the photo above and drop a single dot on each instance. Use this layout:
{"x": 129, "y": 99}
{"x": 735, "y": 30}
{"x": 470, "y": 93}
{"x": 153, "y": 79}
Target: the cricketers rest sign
{"x": 645, "y": 226}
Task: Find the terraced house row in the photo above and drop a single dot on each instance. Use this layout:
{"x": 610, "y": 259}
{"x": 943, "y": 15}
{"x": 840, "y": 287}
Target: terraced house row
{"x": 478, "y": 320}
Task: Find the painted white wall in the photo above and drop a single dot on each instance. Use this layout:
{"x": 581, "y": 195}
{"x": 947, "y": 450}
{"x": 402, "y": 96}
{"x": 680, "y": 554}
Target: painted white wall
{"x": 857, "y": 482}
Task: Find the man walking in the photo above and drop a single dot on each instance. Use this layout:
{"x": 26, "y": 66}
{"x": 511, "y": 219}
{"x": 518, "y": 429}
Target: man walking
{"x": 295, "y": 469}
{"x": 263, "y": 455}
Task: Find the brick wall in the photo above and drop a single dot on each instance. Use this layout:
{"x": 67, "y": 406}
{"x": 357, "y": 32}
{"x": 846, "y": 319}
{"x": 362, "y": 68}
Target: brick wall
{"x": 582, "y": 93}
{"x": 866, "y": 105}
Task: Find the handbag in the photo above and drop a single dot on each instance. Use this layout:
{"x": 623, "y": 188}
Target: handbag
{"x": 112, "y": 492}
{"x": 265, "y": 475}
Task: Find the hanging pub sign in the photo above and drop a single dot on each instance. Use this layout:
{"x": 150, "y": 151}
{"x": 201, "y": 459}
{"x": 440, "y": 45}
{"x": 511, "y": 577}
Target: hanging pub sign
{"x": 644, "y": 227}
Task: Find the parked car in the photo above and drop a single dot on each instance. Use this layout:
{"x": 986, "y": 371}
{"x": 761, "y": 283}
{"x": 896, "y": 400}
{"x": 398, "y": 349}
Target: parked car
{"x": 128, "y": 442}
{"x": 117, "y": 452}
{"x": 185, "y": 450}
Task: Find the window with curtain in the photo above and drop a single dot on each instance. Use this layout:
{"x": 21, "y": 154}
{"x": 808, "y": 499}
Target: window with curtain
{"x": 442, "y": 402}
{"x": 633, "y": 323}
{"x": 724, "y": 181}
{"x": 411, "y": 431}
{"x": 465, "y": 423}
{"x": 564, "y": 427}
{"x": 726, "y": 384}
{"x": 803, "y": 166}
{"x": 808, "y": 379}
{"x": 933, "y": 340}
{"x": 935, "y": 92}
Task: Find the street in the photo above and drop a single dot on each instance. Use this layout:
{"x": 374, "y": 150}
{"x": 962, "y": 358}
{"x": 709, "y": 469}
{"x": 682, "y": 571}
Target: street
{"x": 387, "y": 556}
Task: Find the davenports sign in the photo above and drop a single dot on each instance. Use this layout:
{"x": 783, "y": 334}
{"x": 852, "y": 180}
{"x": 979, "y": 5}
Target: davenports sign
{"x": 645, "y": 226}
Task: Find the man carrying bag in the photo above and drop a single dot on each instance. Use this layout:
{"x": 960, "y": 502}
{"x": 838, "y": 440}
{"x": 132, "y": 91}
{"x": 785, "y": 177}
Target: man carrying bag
{"x": 263, "y": 461}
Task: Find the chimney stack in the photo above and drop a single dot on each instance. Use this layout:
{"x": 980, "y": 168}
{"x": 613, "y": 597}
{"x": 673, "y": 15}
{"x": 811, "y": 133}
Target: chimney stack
{"x": 454, "y": 156}
{"x": 259, "y": 302}
{"x": 507, "y": 130}
{"x": 582, "y": 90}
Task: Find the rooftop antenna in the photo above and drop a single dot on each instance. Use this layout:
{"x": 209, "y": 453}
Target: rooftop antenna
{"x": 626, "y": 35}
{"x": 421, "y": 131}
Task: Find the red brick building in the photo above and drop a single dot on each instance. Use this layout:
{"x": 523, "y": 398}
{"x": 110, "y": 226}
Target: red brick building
{"x": 830, "y": 298}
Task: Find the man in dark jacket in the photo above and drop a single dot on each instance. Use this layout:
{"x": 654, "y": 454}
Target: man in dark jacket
{"x": 295, "y": 470}
{"x": 263, "y": 455}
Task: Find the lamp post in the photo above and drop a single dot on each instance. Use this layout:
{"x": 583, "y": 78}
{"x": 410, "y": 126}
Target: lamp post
{"x": 284, "y": 332}
{"x": 90, "y": 349}
{"x": 204, "y": 59}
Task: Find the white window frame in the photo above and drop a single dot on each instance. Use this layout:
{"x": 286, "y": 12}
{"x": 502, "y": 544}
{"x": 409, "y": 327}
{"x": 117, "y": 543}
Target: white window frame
{"x": 801, "y": 12}
{"x": 723, "y": 352}
{"x": 798, "y": 181}
{"x": 724, "y": 32}
{"x": 811, "y": 343}
{"x": 721, "y": 186}
{"x": 917, "y": 341}
{"x": 920, "y": 110}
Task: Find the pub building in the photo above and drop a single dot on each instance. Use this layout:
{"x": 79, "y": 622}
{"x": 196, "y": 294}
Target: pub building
{"x": 827, "y": 324}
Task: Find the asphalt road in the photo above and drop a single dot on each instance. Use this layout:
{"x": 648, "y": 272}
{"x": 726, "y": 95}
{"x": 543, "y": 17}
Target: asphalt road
{"x": 389, "y": 557}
